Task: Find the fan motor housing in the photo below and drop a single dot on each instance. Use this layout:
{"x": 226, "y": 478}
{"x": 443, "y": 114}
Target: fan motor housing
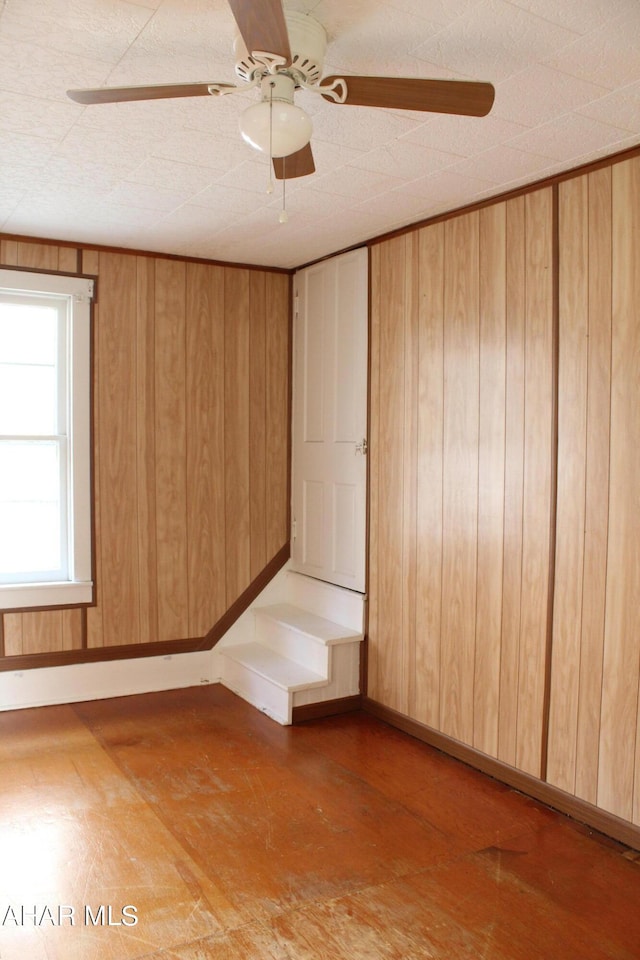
{"x": 308, "y": 42}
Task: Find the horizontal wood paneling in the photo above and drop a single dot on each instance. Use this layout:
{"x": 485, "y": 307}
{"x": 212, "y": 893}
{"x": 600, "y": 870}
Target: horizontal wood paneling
{"x": 191, "y": 427}
{"x": 462, "y": 350}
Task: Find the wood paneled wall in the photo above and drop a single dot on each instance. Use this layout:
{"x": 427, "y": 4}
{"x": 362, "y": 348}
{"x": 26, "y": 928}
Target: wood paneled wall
{"x": 505, "y": 494}
{"x": 594, "y": 747}
{"x": 191, "y": 425}
{"x": 461, "y": 475}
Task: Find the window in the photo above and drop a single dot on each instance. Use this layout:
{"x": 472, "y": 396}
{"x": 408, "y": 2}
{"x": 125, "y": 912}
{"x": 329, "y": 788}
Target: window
{"x": 45, "y": 455}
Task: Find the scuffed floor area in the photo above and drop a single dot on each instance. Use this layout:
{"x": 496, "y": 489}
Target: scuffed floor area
{"x": 205, "y": 831}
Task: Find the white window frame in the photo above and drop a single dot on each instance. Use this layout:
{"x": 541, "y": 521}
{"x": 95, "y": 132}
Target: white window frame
{"x": 77, "y": 588}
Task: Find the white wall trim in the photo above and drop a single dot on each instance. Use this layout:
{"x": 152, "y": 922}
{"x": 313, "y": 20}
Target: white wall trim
{"x": 45, "y": 686}
{"x": 73, "y": 683}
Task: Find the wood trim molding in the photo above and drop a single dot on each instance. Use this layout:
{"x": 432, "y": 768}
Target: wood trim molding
{"x": 246, "y": 598}
{"x": 103, "y": 248}
{"x": 328, "y": 708}
{"x": 128, "y": 651}
{"x": 600, "y": 820}
{"x": 161, "y": 648}
{"x": 507, "y": 195}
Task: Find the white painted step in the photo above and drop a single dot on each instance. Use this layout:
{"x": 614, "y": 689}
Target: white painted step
{"x": 299, "y": 645}
{"x": 301, "y": 635}
{"x": 266, "y": 679}
{"x": 326, "y": 600}
{"x": 272, "y": 666}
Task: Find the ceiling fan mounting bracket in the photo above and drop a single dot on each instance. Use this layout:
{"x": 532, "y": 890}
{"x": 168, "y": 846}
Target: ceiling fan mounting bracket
{"x": 269, "y": 62}
{"x": 308, "y": 41}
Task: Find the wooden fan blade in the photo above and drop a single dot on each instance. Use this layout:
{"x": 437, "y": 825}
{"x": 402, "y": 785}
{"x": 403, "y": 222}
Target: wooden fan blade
{"x": 160, "y": 91}
{"x": 404, "y": 93}
{"x": 262, "y": 26}
{"x": 298, "y": 164}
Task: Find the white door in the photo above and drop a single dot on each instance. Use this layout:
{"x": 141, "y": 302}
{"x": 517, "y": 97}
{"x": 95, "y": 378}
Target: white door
{"x": 329, "y": 466}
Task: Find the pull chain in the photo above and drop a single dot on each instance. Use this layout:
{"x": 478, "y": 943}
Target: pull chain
{"x": 284, "y": 216}
{"x": 270, "y": 183}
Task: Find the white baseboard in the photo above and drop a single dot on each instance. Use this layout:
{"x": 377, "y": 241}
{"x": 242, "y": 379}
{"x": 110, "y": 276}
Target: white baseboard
{"x": 45, "y": 686}
{"x": 73, "y": 683}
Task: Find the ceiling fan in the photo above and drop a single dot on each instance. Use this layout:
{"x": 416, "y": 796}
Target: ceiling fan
{"x": 283, "y": 52}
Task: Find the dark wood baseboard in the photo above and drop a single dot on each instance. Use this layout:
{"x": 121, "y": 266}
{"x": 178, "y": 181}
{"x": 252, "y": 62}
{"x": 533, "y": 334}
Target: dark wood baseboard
{"x": 330, "y": 708}
{"x": 580, "y": 810}
{"x": 132, "y": 651}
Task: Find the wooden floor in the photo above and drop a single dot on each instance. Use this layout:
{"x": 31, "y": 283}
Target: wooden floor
{"x": 237, "y": 839}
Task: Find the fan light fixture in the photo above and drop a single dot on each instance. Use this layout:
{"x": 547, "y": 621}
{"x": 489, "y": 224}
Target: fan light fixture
{"x": 283, "y": 53}
{"x": 276, "y": 126}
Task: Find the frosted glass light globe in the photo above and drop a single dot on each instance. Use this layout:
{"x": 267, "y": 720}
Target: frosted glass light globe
{"x": 291, "y": 127}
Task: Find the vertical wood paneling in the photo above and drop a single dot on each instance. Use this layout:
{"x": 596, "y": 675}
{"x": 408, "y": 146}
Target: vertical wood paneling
{"x": 12, "y": 623}
{"x": 429, "y": 477}
{"x": 236, "y": 405}
{"x": 41, "y": 256}
{"x": 277, "y": 412}
{"x": 513, "y": 480}
{"x": 410, "y": 461}
{"x": 170, "y": 449}
{"x": 257, "y": 425}
{"x": 389, "y": 680}
{"x": 583, "y": 483}
{"x": 116, "y": 413}
{"x": 460, "y": 501}
{"x": 491, "y": 469}
{"x": 597, "y": 486}
{"x": 68, "y": 259}
{"x": 375, "y": 457}
{"x": 461, "y": 475}
{"x": 537, "y": 480}
{"x": 72, "y": 629}
{"x": 205, "y": 448}
{"x": 9, "y": 252}
{"x": 145, "y": 388}
{"x": 572, "y": 438}
{"x": 42, "y": 632}
{"x": 621, "y": 667}
{"x": 187, "y": 450}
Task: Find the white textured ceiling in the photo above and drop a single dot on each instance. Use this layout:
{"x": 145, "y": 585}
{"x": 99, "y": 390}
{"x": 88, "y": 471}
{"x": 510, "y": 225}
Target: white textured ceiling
{"x": 175, "y": 177}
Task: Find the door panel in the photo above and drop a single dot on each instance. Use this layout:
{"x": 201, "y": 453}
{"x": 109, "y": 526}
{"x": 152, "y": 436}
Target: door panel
{"x": 329, "y": 420}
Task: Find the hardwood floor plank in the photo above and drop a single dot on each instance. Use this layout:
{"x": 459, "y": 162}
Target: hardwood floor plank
{"x": 238, "y": 839}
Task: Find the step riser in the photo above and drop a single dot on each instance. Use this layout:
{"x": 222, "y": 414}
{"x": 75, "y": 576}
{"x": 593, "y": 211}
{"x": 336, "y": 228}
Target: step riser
{"x": 345, "y": 673}
{"x": 293, "y": 645}
{"x": 326, "y": 600}
{"x": 257, "y": 691}
{"x": 280, "y": 654}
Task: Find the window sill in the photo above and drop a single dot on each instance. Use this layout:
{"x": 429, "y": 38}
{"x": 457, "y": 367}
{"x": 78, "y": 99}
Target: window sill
{"x": 24, "y": 596}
